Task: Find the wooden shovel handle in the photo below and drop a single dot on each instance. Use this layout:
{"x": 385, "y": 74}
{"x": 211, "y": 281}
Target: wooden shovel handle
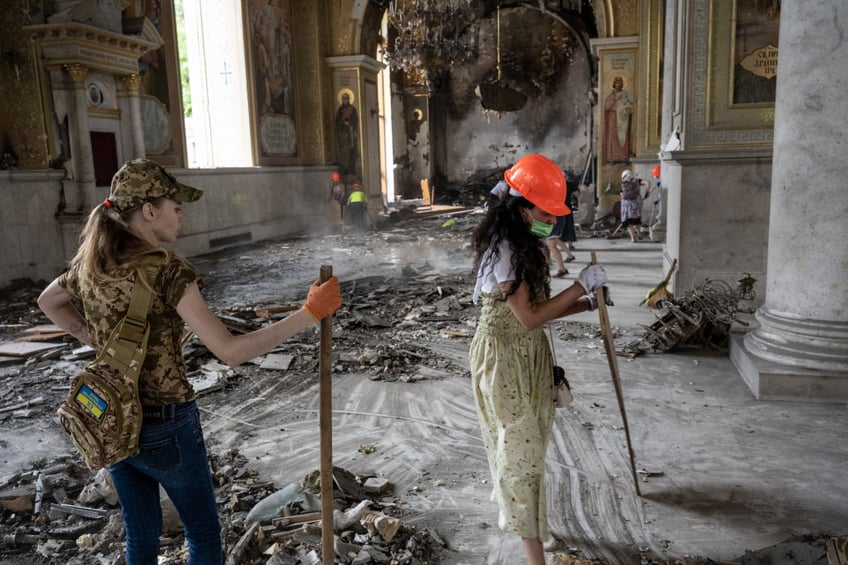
{"x": 612, "y": 359}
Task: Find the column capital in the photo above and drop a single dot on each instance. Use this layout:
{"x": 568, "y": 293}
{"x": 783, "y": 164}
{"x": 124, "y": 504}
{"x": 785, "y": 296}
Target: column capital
{"x": 132, "y": 81}
{"x": 77, "y": 72}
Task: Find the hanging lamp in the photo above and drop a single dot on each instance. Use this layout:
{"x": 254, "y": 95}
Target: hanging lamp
{"x": 497, "y": 96}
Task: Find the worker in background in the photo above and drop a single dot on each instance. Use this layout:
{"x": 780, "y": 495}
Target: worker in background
{"x": 338, "y": 195}
{"x": 358, "y": 206}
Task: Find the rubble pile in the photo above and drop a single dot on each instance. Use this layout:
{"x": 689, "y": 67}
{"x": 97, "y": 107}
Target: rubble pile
{"x": 62, "y": 513}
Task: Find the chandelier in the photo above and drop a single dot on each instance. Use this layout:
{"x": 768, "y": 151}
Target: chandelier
{"x": 431, "y": 34}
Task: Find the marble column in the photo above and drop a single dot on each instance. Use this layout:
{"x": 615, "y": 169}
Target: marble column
{"x": 133, "y": 82}
{"x": 799, "y": 350}
{"x": 669, "y": 116}
{"x": 80, "y": 197}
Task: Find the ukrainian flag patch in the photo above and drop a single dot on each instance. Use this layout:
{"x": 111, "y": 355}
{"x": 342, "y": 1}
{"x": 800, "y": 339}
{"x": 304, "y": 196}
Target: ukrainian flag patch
{"x": 91, "y": 401}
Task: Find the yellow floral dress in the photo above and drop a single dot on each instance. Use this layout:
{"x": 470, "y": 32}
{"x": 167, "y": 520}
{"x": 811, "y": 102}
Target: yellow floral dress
{"x": 512, "y": 376}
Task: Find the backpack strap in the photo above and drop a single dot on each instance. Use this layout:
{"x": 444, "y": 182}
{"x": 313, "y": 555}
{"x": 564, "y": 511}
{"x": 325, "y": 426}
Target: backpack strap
{"x": 130, "y": 342}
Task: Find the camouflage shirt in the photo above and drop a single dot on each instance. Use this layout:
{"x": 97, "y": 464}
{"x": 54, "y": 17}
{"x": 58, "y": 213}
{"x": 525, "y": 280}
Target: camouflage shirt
{"x": 163, "y": 376}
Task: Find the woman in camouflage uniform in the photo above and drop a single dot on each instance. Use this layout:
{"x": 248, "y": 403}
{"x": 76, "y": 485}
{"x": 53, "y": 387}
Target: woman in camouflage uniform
{"x": 510, "y": 358}
{"x": 122, "y": 235}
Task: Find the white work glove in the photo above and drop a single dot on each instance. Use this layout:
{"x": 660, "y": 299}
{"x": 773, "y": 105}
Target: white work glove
{"x": 593, "y": 299}
{"x": 592, "y": 277}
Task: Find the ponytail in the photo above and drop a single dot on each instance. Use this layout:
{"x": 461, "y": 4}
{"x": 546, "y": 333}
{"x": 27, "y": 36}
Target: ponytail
{"x": 109, "y": 248}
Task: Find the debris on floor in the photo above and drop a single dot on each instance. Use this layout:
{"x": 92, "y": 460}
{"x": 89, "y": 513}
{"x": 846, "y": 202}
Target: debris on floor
{"x": 58, "y": 512}
{"x": 837, "y": 551}
{"x": 702, "y": 318}
{"x": 69, "y": 515}
{"x": 402, "y": 324}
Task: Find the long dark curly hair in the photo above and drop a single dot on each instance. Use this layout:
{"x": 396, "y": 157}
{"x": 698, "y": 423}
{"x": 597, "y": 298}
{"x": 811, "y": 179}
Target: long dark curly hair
{"x": 502, "y": 222}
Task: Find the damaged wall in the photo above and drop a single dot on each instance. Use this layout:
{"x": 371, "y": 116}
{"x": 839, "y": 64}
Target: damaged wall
{"x": 540, "y": 60}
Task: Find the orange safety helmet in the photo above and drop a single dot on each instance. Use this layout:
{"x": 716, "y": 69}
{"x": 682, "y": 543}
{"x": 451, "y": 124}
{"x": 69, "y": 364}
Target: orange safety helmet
{"x": 336, "y": 177}
{"x": 540, "y": 181}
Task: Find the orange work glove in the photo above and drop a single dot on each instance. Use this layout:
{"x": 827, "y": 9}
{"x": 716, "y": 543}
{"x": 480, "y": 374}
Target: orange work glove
{"x": 323, "y": 298}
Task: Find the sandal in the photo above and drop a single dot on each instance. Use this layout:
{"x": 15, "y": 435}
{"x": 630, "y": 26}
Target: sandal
{"x": 570, "y": 259}
{"x": 561, "y": 273}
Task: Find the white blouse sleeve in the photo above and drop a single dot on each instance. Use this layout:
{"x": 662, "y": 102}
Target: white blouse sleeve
{"x": 491, "y": 275}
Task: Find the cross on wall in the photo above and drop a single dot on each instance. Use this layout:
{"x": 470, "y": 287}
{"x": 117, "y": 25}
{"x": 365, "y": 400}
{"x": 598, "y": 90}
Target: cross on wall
{"x": 226, "y": 74}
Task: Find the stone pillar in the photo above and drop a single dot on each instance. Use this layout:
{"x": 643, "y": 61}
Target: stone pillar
{"x": 799, "y": 351}
{"x": 133, "y": 82}
{"x": 79, "y": 193}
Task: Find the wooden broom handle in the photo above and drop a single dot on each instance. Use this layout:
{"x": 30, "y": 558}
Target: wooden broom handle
{"x": 325, "y": 416}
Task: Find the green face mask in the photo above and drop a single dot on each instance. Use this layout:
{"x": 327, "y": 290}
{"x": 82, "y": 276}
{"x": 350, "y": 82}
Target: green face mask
{"x": 541, "y": 229}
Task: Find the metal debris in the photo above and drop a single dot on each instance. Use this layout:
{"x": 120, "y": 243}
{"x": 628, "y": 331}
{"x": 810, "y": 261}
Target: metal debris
{"x": 700, "y": 318}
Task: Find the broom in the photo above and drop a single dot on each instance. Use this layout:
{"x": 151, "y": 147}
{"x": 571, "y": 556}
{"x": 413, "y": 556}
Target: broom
{"x": 660, "y": 291}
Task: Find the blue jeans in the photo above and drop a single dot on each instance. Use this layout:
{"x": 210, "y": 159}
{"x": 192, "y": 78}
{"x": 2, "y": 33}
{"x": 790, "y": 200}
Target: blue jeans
{"x": 172, "y": 454}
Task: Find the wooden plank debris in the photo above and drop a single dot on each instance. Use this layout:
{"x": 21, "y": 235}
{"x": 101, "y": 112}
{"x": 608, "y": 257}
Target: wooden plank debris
{"x": 25, "y": 349}
{"x": 44, "y": 329}
{"x": 234, "y": 558}
{"x": 42, "y": 336}
{"x": 837, "y": 550}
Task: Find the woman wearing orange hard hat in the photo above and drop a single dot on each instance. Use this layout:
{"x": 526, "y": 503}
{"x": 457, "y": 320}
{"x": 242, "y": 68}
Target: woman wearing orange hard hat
{"x": 512, "y": 366}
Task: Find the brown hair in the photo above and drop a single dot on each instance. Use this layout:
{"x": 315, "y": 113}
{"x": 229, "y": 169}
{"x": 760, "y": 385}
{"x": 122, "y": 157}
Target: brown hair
{"x": 504, "y": 222}
{"x": 109, "y": 249}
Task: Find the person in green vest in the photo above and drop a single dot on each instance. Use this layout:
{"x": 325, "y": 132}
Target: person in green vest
{"x": 357, "y": 205}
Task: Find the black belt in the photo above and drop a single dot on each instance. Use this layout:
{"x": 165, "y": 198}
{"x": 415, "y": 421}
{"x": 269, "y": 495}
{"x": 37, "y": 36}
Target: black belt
{"x": 158, "y": 414}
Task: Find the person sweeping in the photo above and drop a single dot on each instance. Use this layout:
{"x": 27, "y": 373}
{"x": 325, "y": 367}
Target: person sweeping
{"x": 510, "y": 357}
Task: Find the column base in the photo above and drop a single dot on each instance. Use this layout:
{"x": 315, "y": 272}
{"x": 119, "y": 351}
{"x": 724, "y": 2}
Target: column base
{"x": 769, "y": 380}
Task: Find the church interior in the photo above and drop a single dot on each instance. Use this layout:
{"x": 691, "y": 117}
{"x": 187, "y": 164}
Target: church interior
{"x": 259, "y": 102}
{"x": 723, "y": 107}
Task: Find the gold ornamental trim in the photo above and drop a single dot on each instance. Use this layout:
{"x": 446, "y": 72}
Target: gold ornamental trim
{"x": 132, "y": 81}
{"x": 77, "y": 72}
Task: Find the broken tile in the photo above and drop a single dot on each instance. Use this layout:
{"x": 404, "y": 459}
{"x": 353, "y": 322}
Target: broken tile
{"x": 276, "y": 361}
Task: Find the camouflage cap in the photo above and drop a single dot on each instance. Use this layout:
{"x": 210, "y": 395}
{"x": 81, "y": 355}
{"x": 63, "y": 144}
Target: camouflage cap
{"x": 142, "y": 180}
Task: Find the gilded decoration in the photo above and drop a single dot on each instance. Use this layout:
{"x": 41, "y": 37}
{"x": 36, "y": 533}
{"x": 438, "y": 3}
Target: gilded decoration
{"x": 617, "y": 18}
{"x": 754, "y": 41}
{"x": 22, "y": 129}
{"x": 618, "y": 87}
{"x": 619, "y": 112}
{"x": 315, "y": 145}
{"x": 77, "y": 72}
{"x": 715, "y": 120}
{"x": 132, "y": 82}
{"x": 626, "y": 18}
{"x": 651, "y": 46}
{"x": 414, "y": 76}
{"x": 160, "y": 97}
{"x": 342, "y": 28}
{"x": 270, "y": 53}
